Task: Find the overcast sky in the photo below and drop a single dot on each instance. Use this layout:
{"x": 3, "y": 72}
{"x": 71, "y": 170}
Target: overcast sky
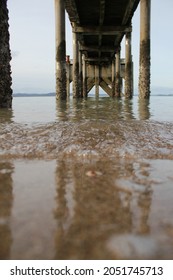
{"x": 32, "y": 40}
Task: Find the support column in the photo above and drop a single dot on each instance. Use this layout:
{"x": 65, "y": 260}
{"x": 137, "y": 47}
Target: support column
{"x": 75, "y": 66}
{"x": 128, "y": 67}
{"x": 5, "y": 57}
{"x": 68, "y": 74}
{"x": 60, "y": 49}
{"x": 80, "y": 74}
{"x": 113, "y": 77}
{"x": 144, "y": 64}
{"x": 97, "y": 79}
{"x": 84, "y": 77}
{"x": 118, "y": 78}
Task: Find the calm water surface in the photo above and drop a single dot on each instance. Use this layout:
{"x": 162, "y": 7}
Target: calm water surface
{"x": 88, "y": 179}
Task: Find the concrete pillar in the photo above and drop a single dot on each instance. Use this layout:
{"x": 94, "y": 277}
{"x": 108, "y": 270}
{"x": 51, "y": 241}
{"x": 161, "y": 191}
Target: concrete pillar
{"x": 60, "y": 49}
{"x": 144, "y": 108}
{"x": 128, "y": 67}
{"x": 144, "y": 64}
{"x": 75, "y": 66}
{"x": 113, "y": 77}
{"x": 132, "y": 83}
{"x": 5, "y": 57}
{"x": 97, "y": 79}
{"x": 117, "y": 75}
{"x": 68, "y": 75}
{"x": 84, "y": 76}
{"x": 80, "y": 74}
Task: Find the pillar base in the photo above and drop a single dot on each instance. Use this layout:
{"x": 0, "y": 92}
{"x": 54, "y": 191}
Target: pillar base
{"x": 61, "y": 90}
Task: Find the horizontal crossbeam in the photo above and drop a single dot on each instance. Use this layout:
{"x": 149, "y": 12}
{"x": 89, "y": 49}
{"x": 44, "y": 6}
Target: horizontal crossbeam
{"x": 104, "y": 30}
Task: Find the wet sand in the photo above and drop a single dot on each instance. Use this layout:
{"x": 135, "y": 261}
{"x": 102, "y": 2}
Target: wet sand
{"x": 87, "y": 186}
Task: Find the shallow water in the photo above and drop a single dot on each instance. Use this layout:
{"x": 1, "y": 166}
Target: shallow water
{"x": 88, "y": 179}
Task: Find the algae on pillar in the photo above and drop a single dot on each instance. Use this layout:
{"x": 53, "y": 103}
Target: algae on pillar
{"x": 144, "y": 67}
{"x": 5, "y": 57}
{"x": 60, "y": 49}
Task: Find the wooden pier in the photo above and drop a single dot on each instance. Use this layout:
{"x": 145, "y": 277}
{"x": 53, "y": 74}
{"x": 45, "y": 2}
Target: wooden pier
{"x": 98, "y": 28}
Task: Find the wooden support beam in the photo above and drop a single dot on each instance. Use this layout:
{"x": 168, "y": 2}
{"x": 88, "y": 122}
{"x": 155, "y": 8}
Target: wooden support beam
{"x": 70, "y": 6}
{"x": 95, "y": 48}
{"x": 102, "y": 12}
{"x": 104, "y": 30}
{"x": 101, "y": 20}
{"x": 98, "y": 60}
{"x": 131, "y": 7}
{"x": 106, "y": 88}
{"x": 107, "y": 81}
{"x": 90, "y": 84}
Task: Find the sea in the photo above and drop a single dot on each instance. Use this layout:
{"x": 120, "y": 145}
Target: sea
{"x": 86, "y": 179}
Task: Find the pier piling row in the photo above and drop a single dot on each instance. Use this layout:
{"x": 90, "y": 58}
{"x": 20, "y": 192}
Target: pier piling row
{"x": 98, "y": 28}
{"x": 98, "y": 31}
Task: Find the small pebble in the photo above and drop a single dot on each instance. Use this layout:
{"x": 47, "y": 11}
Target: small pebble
{"x": 93, "y": 173}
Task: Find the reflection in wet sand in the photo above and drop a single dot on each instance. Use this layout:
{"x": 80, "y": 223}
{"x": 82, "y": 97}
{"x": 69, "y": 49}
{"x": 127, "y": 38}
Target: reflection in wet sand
{"x": 32, "y": 223}
{"x": 102, "y": 208}
{"x": 144, "y": 109}
{"x": 86, "y": 209}
{"x": 94, "y": 184}
{"x": 6, "y": 203}
{"x": 98, "y": 211}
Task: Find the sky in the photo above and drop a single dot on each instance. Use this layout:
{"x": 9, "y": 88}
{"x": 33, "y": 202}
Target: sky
{"x": 32, "y": 43}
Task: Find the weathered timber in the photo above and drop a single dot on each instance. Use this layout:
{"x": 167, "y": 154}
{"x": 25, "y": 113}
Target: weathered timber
{"x": 104, "y": 30}
{"x": 105, "y": 87}
{"x": 90, "y": 84}
{"x": 102, "y": 12}
{"x": 71, "y": 8}
{"x": 95, "y": 48}
{"x": 5, "y": 58}
{"x": 144, "y": 67}
{"x": 131, "y": 6}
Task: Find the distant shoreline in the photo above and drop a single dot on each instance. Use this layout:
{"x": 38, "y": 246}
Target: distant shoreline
{"x": 53, "y": 94}
{"x": 33, "y": 94}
